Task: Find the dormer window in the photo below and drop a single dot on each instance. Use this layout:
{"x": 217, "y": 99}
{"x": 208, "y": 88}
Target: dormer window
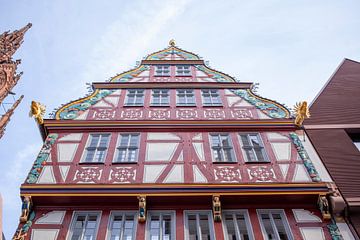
{"x": 162, "y": 70}
{"x": 183, "y": 70}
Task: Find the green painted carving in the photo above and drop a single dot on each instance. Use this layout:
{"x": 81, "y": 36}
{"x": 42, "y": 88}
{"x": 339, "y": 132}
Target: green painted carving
{"x": 41, "y": 159}
{"x": 334, "y": 231}
{"x": 22, "y": 232}
{"x": 305, "y": 157}
{"x": 219, "y": 77}
{"x": 127, "y": 76}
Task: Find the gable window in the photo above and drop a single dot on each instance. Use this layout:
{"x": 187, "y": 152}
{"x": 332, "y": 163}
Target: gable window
{"x": 122, "y": 226}
{"x": 237, "y": 225}
{"x": 161, "y": 225}
{"x": 134, "y": 97}
{"x": 97, "y": 147}
{"x": 211, "y": 97}
{"x": 198, "y": 225}
{"x": 222, "y": 148}
{"x": 128, "y": 147}
{"x": 253, "y": 147}
{"x": 183, "y": 70}
{"x": 162, "y": 70}
{"x": 274, "y": 225}
{"x": 185, "y": 97}
{"x": 84, "y": 226}
{"x": 160, "y": 97}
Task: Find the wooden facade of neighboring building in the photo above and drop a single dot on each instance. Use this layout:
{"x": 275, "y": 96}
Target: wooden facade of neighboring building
{"x": 176, "y": 150}
{"x": 334, "y": 130}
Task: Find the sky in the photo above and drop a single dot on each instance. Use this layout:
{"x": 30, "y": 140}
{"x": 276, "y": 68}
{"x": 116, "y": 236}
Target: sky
{"x": 290, "y": 48}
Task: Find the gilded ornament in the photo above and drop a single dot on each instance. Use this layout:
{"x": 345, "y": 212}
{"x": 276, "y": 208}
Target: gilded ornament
{"x": 172, "y": 42}
{"x": 37, "y": 110}
{"x": 301, "y": 110}
{"x": 216, "y": 208}
{"x": 142, "y": 209}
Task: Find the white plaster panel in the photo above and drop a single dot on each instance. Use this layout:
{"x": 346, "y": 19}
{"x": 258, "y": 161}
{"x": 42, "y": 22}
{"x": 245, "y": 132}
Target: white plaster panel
{"x": 112, "y": 99}
{"x": 197, "y": 137}
{"x": 262, "y": 115}
{"x": 302, "y": 215}
{"x": 82, "y": 116}
{"x": 49, "y": 159}
{"x": 44, "y": 234}
{"x": 176, "y": 174}
{"x": 276, "y": 136}
{"x": 181, "y": 157}
{"x": 53, "y": 217}
{"x": 319, "y": 166}
{"x": 66, "y": 151}
{"x": 244, "y": 103}
{"x": 64, "y": 170}
{"x": 301, "y": 174}
{"x": 345, "y": 231}
{"x": 47, "y": 175}
{"x": 312, "y": 233}
{"x": 102, "y": 103}
{"x": 160, "y": 151}
{"x": 162, "y": 136}
{"x": 284, "y": 169}
{"x": 228, "y": 92}
{"x": 144, "y": 74}
{"x": 201, "y": 74}
{"x": 232, "y": 100}
{"x": 72, "y": 137}
{"x": 152, "y": 172}
{"x": 199, "y": 150}
{"x": 282, "y": 150}
{"x": 117, "y": 92}
{"x": 198, "y": 176}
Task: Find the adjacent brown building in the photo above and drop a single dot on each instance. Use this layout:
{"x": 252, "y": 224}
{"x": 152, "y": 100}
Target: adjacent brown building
{"x": 334, "y": 130}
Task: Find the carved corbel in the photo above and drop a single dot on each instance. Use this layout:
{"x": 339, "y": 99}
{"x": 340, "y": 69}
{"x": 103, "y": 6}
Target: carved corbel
{"x": 323, "y": 205}
{"x": 216, "y": 204}
{"x": 337, "y": 202}
{"x": 142, "y": 208}
{"x": 25, "y": 209}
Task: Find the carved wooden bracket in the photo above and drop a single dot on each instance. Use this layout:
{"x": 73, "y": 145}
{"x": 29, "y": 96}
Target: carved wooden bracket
{"x": 323, "y": 205}
{"x": 25, "y": 209}
{"x": 142, "y": 208}
{"x": 216, "y": 204}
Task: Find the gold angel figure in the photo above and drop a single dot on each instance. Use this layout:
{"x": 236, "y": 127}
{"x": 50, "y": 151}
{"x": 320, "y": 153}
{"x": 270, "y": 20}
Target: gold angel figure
{"x": 37, "y": 110}
{"x": 301, "y": 112}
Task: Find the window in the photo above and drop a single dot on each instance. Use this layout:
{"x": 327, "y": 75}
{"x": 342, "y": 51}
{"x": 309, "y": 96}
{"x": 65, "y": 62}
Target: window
{"x": 122, "y": 226}
{"x": 84, "y": 226}
{"x": 160, "y": 97}
{"x": 198, "y": 225}
{"x": 128, "y": 147}
{"x": 183, "y": 70}
{"x": 222, "y": 148}
{"x": 96, "y": 149}
{"x": 134, "y": 97}
{"x": 253, "y": 147}
{"x": 185, "y": 97}
{"x": 161, "y": 225}
{"x": 211, "y": 97}
{"x": 274, "y": 225}
{"x": 162, "y": 70}
{"x": 237, "y": 225}
{"x": 355, "y": 137}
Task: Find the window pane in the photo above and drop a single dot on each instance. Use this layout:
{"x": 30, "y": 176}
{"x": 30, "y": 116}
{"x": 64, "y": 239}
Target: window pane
{"x": 280, "y": 226}
{"x": 204, "y": 227}
{"x": 230, "y": 228}
{"x": 155, "y": 228}
{"x": 89, "y": 155}
{"x": 241, "y": 223}
{"x": 166, "y": 227}
{"x": 192, "y": 227}
{"x": 265, "y": 218}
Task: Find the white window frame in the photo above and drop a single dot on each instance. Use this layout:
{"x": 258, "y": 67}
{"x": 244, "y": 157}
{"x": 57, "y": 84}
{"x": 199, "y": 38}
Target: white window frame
{"x": 197, "y": 212}
{"x": 161, "y": 97}
{"x": 123, "y": 213}
{"x": 233, "y": 154}
{"x": 135, "y": 97}
{"x": 182, "y": 72}
{"x": 212, "y": 102}
{"x": 187, "y": 103}
{"x": 262, "y": 147}
{"x": 274, "y": 228}
{"x": 73, "y": 220}
{"x": 161, "y": 213}
{"x": 85, "y": 152}
{"x": 127, "y": 147}
{"x": 247, "y": 220}
{"x": 160, "y": 71}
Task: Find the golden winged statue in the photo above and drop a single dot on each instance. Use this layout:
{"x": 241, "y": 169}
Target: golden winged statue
{"x": 37, "y": 110}
{"x": 301, "y": 111}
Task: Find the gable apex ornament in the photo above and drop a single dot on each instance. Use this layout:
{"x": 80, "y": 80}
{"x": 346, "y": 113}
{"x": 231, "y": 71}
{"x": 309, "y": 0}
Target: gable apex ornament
{"x": 37, "y": 110}
{"x": 172, "y": 43}
{"x": 301, "y": 111}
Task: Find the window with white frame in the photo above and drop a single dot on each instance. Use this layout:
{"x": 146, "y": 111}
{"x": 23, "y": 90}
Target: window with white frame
{"x": 84, "y": 226}
{"x": 122, "y": 226}
{"x": 162, "y": 70}
{"x": 160, "y": 97}
{"x": 199, "y": 225}
{"x": 95, "y": 151}
{"x": 161, "y": 225}
{"x": 222, "y": 148}
{"x": 253, "y": 147}
{"x": 185, "y": 97}
{"x": 183, "y": 70}
{"x": 128, "y": 147}
{"x": 274, "y": 225}
{"x": 211, "y": 97}
{"x": 237, "y": 225}
{"x": 134, "y": 97}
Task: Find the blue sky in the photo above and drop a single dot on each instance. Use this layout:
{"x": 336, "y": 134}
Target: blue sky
{"x": 290, "y": 48}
